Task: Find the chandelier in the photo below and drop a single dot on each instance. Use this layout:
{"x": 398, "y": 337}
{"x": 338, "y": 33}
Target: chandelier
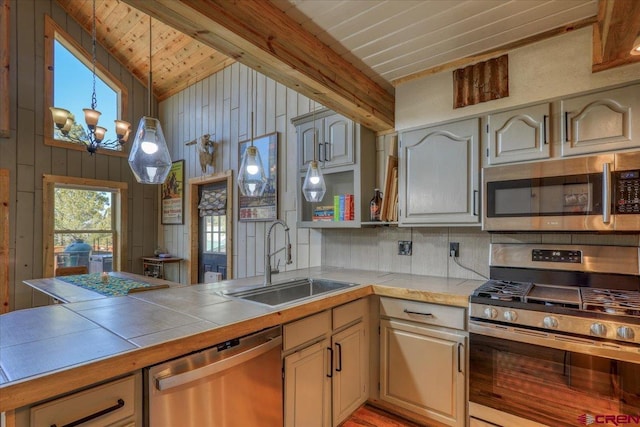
{"x": 65, "y": 120}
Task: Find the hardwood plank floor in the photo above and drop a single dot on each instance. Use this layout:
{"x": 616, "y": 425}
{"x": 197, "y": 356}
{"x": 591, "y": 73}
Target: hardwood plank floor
{"x": 368, "y": 416}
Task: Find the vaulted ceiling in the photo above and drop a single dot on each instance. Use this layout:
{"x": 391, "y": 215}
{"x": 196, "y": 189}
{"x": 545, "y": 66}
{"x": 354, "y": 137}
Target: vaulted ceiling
{"x": 345, "y": 54}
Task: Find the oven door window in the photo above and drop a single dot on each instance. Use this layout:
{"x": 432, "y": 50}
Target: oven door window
{"x": 555, "y": 196}
{"x": 551, "y": 386}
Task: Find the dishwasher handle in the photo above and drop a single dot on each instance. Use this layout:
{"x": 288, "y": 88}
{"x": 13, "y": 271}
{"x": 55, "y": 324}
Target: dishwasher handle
{"x": 171, "y": 381}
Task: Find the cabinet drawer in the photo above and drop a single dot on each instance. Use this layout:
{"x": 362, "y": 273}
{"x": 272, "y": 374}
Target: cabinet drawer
{"x": 305, "y": 330}
{"x": 422, "y": 312}
{"x": 349, "y": 313}
{"x": 77, "y": 406}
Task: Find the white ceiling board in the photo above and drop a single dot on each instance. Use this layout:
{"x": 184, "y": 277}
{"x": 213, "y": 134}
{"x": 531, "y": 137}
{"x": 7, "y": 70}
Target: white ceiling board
{"x": 390, "y": 39}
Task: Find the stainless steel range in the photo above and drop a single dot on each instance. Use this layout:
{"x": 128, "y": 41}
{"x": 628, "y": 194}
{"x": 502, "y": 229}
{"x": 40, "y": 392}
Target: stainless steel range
{"x": 555, "y": 335}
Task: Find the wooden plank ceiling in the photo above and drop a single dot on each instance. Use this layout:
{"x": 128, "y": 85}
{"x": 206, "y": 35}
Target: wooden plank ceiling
{"x": 178, "y": 60}
{"x": 348, "y": 55}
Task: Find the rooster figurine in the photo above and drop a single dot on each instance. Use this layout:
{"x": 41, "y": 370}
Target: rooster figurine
{"x": 206, "y": 151}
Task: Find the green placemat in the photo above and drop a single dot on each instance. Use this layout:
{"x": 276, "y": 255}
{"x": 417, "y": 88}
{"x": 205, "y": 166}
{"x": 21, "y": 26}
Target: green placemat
{"x": 115, "y": 287}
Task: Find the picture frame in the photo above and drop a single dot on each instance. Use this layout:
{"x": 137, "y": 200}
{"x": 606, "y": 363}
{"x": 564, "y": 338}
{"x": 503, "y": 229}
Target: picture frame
{"x": 172, "y": 195}
{"x": 264, "y": 208}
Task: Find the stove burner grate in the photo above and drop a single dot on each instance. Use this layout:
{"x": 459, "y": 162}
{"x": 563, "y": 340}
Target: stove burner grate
{"x": 611, "y": 301}
{"x": 503, "y": 290}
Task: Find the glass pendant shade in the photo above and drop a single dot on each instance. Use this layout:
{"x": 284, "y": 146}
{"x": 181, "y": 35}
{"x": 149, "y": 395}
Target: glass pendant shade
{"x": 251, "y": 177}
{"x": 635, "y": 50}
{"x": 91, "y": 117}
{"x": 314, "y": 187}
{"x": 60, "y": 116}
{"x": 149, "y": 157}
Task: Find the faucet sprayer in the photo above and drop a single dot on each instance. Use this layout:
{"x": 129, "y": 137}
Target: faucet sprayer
{"x": 267, "y": 247}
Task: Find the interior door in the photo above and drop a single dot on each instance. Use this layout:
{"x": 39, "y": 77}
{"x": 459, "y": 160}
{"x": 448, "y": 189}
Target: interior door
{"x": 212, "y": 235}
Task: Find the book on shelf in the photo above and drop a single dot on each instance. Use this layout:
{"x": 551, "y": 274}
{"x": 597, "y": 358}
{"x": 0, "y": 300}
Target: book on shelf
{"x": 343, "y": 207}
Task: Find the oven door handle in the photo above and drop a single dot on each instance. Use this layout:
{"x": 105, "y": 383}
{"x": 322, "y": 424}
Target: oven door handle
{"x": 606, "y": 193}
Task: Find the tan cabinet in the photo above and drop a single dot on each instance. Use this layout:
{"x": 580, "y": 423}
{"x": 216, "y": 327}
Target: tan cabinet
{"x": 422, "y": 364}
{"x": 307, "y": 386}
{"x": 601, "y": 121}
{"x": 440, "y": 175}
{"x": 115, "y": 404}
{"x": 518, "y": 135}
{"x": 326, "y": 366}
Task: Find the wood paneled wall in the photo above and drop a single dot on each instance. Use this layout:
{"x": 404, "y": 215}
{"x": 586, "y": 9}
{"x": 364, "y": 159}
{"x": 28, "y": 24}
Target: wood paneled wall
{"x": 221, "y": 106}
{"x": 27, "y": 158}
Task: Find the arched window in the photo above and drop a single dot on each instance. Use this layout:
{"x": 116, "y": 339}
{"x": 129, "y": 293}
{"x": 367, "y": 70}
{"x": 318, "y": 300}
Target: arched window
{"x": 69, "y": 85}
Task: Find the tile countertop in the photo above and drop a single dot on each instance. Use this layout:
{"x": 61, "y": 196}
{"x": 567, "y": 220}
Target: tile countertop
{"x": 47, "y": 351}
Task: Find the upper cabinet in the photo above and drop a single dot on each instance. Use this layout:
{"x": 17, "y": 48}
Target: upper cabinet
{"x": 346, "y": 154}
{"x": 601, "y": 121}
{"x": 439, "y": 175}
{"x": 518, "y": 135}
{"x": 334, "y": 143}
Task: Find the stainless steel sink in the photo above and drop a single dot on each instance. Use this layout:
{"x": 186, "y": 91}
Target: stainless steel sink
{"x": 289, "y": 291}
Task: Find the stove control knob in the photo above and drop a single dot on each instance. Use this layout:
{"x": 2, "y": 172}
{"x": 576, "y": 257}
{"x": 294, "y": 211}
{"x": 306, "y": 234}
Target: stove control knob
{"x": 550, "y": 322}
{"x": 490, "y": 313}
{"x": 598, "y": 329}
{"x": 510, "y": 316}
{"x": 626, "y": 333}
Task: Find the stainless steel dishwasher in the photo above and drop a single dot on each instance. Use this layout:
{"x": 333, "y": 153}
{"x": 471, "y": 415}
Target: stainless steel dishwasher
{"x": 237, "y": 383}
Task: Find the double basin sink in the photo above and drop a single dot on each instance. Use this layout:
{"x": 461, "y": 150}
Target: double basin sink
{"x": 288, "y": 292}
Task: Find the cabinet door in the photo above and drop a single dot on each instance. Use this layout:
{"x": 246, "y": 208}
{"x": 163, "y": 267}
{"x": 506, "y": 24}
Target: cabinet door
{"x": 307, "y": 387}
{"x": 518, "y": 135}
{"x": 306, "y": 145}
{"x": 601, "y": 121}
{"x": 350, "y": 371}
{"x": 439, "y": 174}
{"x": 422, "y": 370}
{"x": 338, "y": 141}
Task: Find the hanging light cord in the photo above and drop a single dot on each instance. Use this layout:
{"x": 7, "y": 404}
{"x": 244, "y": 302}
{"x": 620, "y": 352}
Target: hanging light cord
{"x": 94, "y": 99}
{"x": 314, "y": 133}
{"x": 150, "y": 72}
{"x": 253, "y": 97}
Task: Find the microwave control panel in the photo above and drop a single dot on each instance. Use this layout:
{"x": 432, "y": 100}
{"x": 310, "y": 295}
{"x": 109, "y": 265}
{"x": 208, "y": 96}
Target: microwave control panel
{"x": 627, "y": 192}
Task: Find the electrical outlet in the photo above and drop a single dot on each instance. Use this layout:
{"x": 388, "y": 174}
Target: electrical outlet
{"x": 404, "y": 247}
{"x": 454, "y": 249}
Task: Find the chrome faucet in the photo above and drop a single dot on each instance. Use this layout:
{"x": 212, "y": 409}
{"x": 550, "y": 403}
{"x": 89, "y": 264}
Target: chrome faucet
{"x": 267, "y": 248}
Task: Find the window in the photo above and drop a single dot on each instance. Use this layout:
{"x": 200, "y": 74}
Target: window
{"x": 83, "y": 223}
{"x": 69, "y": 85}
{"x": 215, "y": 234}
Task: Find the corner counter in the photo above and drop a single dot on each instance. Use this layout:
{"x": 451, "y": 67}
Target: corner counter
{"x": 48, "y": 351}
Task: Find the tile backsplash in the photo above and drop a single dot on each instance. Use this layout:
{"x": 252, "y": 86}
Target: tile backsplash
{"x": 376, "y": 248}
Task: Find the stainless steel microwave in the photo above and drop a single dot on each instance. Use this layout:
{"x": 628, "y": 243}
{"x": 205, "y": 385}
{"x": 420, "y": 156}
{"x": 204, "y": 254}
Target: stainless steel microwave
{"x": 598, "y": 193}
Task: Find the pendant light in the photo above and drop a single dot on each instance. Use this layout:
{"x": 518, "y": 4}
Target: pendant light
{"x": 251, "y": 177}
{"x": 314, "y": 187}
{"x": 149, "y": 157}
{"x": 635, "y": 50}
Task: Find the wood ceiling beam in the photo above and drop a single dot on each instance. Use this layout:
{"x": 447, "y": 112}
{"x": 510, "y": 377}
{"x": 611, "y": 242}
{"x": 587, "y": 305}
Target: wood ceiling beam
{"x": 262, "y": 37}
{"x": 613, "y": 36}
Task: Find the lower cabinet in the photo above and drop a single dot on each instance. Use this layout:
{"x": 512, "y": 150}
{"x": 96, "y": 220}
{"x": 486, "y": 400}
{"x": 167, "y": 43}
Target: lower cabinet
{"x": 326, "y": 366}
{"x": 422, "y": 364}
{"x": 116, "y": 404}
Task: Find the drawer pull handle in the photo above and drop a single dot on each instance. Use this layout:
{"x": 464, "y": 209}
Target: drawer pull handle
{"x": 418, "y": 313}
{"x": 115, "y": 407}
{"x": 339, "y": 367}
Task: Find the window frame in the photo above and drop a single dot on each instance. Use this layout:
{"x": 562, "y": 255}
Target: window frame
{"x": 119, "y": 200}
{"x": 52, "y": 32}
{"x": 221, "y": 219}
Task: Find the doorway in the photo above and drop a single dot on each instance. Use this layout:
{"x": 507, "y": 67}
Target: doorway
{"x": 211, "y": 233}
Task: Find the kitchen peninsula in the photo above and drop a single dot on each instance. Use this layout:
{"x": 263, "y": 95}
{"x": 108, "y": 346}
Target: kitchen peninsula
{"x": 168, "y": 323}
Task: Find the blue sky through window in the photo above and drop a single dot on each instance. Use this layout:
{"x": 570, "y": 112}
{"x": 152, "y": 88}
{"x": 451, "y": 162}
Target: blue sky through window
{"x": 72, "y": 84}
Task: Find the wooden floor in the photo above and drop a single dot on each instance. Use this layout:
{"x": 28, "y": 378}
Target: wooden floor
{"x": 368, "y": 416}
